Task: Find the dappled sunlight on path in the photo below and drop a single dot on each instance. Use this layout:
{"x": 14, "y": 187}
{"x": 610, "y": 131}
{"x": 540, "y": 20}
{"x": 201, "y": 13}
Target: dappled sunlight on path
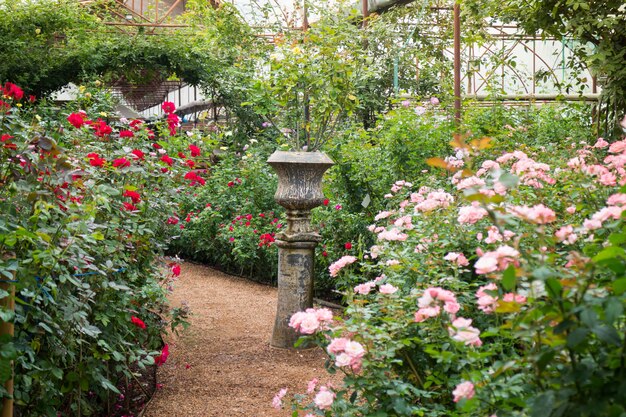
{"x": 222, "y": 364}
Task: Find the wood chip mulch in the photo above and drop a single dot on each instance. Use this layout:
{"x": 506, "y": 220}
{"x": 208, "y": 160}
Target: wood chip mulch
{"x": 222, "y": 365}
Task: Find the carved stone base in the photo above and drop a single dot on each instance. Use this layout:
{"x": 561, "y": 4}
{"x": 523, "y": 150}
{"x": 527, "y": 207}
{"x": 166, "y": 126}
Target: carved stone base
{"x": 295, "y": 288}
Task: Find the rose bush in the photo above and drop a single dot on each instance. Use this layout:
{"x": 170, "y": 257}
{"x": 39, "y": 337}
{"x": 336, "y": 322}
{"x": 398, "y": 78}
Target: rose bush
{"x": 85, "y": 200}
{"x": 497, "y": 289}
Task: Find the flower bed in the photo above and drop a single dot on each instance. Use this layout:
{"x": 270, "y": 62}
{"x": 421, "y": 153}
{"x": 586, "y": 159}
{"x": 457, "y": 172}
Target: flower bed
{"x": 498, "y": 289}
{"x": 85, "y": 200}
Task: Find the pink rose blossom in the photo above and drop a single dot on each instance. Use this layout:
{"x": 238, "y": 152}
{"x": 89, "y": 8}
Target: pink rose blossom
{"x": 277, "y": 402}
{"x": 311, "y": 385}
{"x": 337, "y": 345}
{"x": 462, "y": 331}
{"x": 387, "y": 289}
{"x": 601, "y": 143}
{"x": 324, "y": 398}
{"x": 365, "y": 288}
{"x": 471, "y": 214}
{"x": 463, "y": 391}
{"x": 566, "y": 234}
{"x": 392, "y": 235}
{"x": 512, "y": 297}
{"x": 335, "y": 267}
{"x": 458, "y": 258}
{"x": 618, "y": 199}
{"x": 426, "y": 312}
{"x": 383, "y": 215}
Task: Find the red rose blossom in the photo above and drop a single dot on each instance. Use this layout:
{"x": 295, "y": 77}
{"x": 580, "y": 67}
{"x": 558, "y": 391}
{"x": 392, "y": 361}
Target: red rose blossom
{"x": 126, "y": 134}
{"x": 166, "y": 158}
{"x": 133, "y": 195}
{"x": 121, "y": 163}
{"x": 195, "y": 151}
{"x": 76, "y": 119}
{"x": 138, "y": 322}
{"x": 168, "y": 107}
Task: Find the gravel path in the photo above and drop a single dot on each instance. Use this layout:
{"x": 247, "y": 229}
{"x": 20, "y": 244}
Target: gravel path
{"x": 222, "y": 364}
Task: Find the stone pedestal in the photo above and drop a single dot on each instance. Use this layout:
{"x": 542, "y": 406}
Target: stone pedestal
{"x": 299, "y": 190}
{"x": 295, "y": 288}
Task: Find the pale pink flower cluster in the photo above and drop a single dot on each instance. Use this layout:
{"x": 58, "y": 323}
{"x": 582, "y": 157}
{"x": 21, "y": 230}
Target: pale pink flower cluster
{"x": 311, "y": 320}
{"x": 404, "y": 221}
{"x": 488, "y": 302}
{"x": 364, "y": 288}
{"x": 471, "y": 214}
{"x": 392, "y": 235}
{"x": 604, "y": 214}
{"x": 347, "y": 353}
{"x": 487, "y": 166}
{"x": 375, "y": 251}
{"x": 566, "y": 234}
{"x": 324, "y": 398}
{"x": 387, "y": 289}
{"x": 430, "y": 304}
{"x": 311, "y": 385}
{"x": 336, "y": 266}
{"x": 398, "y": 185}
{"x": 497, "y": 260}
{"x": 434, "y": 200}
{"x": 529, "y": 170}
{"x": 455, "y": 162}
{"x": 457, "y": 258}
{"x": 618, "y": 199}
{"x": 463, "y": 391}
{"x": 538, "y": 214}
{"x": 470, "y": 182}
{"x": 601, "y": 143}
{"x": 392, "y": 262}
{"x": 462, "y": 331}
{"x": 277, "y": 401}
{"x": 383, "y": 215}
{"x": 494, "y": 235}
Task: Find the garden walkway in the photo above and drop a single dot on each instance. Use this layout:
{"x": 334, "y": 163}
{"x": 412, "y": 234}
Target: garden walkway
{"x": 222, "y": 364}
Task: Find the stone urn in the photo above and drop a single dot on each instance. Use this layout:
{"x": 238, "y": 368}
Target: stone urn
{"x": 299, "y": 190}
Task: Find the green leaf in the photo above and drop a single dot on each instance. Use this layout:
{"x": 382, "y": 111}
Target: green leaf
{"x": 576, "y": 337}
{"x": 619, "y": 286}
{"x": 509, "y": 180}
{"x": 509, "y": 278}
{"x": 543, "y": 405}
{"x": 609, "y": 253}
{"x": 607, "y": 334}
{"x": 554, "y": 287}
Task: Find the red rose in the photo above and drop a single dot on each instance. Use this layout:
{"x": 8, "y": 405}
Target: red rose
{"x": 168, "y": 107}
{"x": 128, "y": 206}
{"x": 138, "y": 322}
{"x": 195, "y": 151}
{"x": 101, "y": 129}
{"x": 175, "y": 269}
{"x": 121, "y": 163}
{"x": 13, "y": 91}
{"x": 126, "y": 134}
{"x": 172, "y": 220}
{"x": 326, "y": 201}
{"x": 5, "y": 137}
{"x": 348, "y": 246}
{"x": 76, "y": 119}
{"x": 167, "y": 160}
{"x": 134, "y": 124}
{"x": 133, "y": 195}
{"x": 95, "y": 160}
{"x": 182, "y": 155}
{"x": 162, "y": 358}
{"x": 138, "y": 154}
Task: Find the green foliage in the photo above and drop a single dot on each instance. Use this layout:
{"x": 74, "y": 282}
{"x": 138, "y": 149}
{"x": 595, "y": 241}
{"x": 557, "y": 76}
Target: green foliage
{"x": 84, "y": 250}
{"x": 598, "y": 27}
{"x": 499, "y": 290}
{"x": 46, "y": 45}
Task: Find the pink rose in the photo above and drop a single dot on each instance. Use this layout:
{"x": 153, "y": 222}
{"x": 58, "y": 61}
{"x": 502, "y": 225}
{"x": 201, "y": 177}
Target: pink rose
{"x": 387, "y": 289}
{"x": 324, "y": 398}
{"x": 465, "y": 390}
